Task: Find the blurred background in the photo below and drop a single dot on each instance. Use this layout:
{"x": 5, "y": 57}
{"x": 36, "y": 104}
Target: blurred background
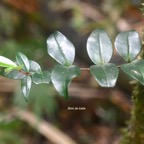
{"x": 46, "y": 118}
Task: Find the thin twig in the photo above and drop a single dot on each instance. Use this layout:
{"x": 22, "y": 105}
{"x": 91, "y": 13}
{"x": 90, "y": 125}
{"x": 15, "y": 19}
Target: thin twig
{"x": 88, "y": 69}
{"x": 25, "y": 73}
{"x": 84, "y": 69}
{"x": 49, "y": 131}
{"x": 118, "y": 66}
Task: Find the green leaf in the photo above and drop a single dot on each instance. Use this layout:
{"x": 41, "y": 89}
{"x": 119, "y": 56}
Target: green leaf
{"x": 62, "y": 76}
{"x": 99, "y": 47}
{"x": 26, "y": 86}
{"x": 61, "y": 49}
{"x": 23, "y": 60}
{"x": 34, "y": 67}
{"x": 43, "y": 77}
{"x": 128, "y": 45}
{"x": 7, "y": 70}
{"x": 106, "y": 75}
{"x": 14, "y": 74}
{"x": 5, "y": 62}
{"x": 135, "y": 70}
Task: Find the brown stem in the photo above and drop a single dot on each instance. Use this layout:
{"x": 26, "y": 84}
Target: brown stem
{"x": 88, "y": 69}
{"x": 84, "y": 69}
{"x": 25, "y": 73}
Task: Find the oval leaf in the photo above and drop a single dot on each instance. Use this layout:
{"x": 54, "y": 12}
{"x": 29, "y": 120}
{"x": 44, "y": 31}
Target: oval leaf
{"x": 135, "y": 70}
{"x": 5, "y": 62}
{"x": 23, "y": 61}
{"x": 14, "y": 74}
{"x": 43, "y": 77}
{"x": 34, "y": 67}
{"x": 99, "y": 47}
{"x": 26, "y": 86}
{"x": 128, "y": 45}
{"x": 62, "y": 76}
{"x": 61, "y": 49}
{"x": 106, "y": 75}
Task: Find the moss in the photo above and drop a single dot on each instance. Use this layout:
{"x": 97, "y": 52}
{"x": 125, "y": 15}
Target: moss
{"x": 134, "y": 133}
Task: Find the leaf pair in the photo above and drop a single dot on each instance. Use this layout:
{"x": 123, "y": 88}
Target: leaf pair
{"x": 63, "y": 51}
{"x": 100, "y": 50}
{"x": 128, "y": 45}
{"x": 33, "y": 73}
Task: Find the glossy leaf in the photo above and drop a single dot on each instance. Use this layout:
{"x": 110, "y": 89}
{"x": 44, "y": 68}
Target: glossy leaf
{"x": 23, "y": 61}
{"x": 128, "y": 45}
{"x": 34, "y": 67}
{"x": 14, "y": 74}
{"x": 26, "y": 86}
{"x": 106, "y": 75}
{"x": 62, "y": 76}
{"x": 135, "y": 70}
{"x": 61, "y": 49}
{"x": 99, "y": 47}
{"x": 43, "y": 77}
{"x": 5, "y": 62}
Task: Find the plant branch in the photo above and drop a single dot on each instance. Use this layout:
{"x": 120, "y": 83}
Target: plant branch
{"x": 88, "y": 69}
{"x": 84, "y": 69}
{"x": 25, "y": 73}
